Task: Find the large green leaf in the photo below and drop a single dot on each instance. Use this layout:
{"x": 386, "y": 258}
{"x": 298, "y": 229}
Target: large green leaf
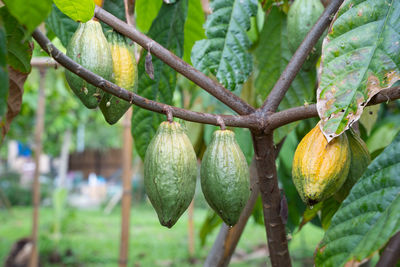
{"x": 3, "y": 70}
{"x": 19, "y": 51}
{"x": 369, "y": 216}
{"x": 78, "y": 10}
{"x": 224, "y": 54}
{"x": 146, "y": 11}
{"x": 167, "y": 30}
{"x": 271, "y": 57}
{"x": 193, "y": 27}
{"x": 360, "y": 57}
{"x": 62, "y": 26}
{"x": 29, "y": 13}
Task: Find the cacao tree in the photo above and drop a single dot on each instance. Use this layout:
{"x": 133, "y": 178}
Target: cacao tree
{"x": 264, "y": 71}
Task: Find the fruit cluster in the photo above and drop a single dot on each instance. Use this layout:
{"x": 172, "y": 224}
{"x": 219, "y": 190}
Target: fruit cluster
{"x": 110, "y": 57}
{"x": 170, "y": 171}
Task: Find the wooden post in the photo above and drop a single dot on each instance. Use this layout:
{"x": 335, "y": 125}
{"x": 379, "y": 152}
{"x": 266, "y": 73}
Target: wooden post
{"x": 126, "y": 187}
{"x": 40, "y": 112}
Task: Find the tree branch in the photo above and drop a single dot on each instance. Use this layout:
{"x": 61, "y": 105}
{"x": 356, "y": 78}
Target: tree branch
{"x": 285, "y": 80}
{"x": 214, "y": 88}
{"x": 284, "y": 117}
{"x": 249, "y": 121}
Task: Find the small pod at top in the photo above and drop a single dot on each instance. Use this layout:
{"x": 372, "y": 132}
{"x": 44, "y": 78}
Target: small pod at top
{"x": 302, "y": 16}
{"x": 225, "y": 179}
{"x": 124, "y": 75}
{"x": 360, "y": 159}
{"x": 89, "y": 47}
{"x": 320, "y": 168}
{"x": 170, "y": 171}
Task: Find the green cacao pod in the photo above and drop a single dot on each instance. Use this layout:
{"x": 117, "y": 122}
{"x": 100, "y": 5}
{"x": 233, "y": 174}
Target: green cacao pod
{"x": 320, "y": 168}
{"x": 170, "y": 171}
{"x": 225, "y": 176}
{"x": 360, "y": 159}
{"x": 124, "y": 75}
{"x": 302, "y": 16}
{"x": 89, "y": 47}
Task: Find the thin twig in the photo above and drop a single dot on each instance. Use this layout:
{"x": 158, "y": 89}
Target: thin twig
{"x": 293, "y": 67}
{"x": 214, "y": 88}
{"x": 248, "y": 121}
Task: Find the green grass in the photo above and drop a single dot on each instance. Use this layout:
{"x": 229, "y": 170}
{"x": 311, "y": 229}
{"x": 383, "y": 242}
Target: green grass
{"x": 94, "y": 237}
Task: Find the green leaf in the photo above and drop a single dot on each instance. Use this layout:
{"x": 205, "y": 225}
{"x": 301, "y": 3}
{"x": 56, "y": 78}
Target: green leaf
{"x": 146, "y": 11}
{"x": 167, "y": 30}
{"x": 115, "y": 7}
{"x": 193, "y": 27}
{"x": 29, "y": 13}
{"x": 78, "y": 10}
{"x": 243, "y": 138}
{"x": 271, "y": 57}
{"x": 19, "y": 51}
{"x": 369, "y": 216}
{"x": 360, "y": 57}
{"x": 224, "y": 54}
{"x": 211, "y": 222}
{"x": 3, "y": 70}
{"x": 62, "y": 26}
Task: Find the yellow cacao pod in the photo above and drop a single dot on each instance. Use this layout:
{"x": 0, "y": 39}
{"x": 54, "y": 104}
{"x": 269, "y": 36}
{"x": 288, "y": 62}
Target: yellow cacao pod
{"x": 320, "y": 168}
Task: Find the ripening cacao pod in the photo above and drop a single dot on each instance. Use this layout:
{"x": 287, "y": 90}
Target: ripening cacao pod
{"x": 360, "y": 159}
{"x": 170, "y": 171}
{"x": 302, "y": 16}
{"x": 124, "y": 75}
{"x": 89, "y": 48}
{"x": 225, "y": 176}
{"x": 320, "y": 168}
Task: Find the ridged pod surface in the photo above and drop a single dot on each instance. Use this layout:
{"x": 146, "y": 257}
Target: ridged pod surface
{"x": 319, "y": 168}
{"x": 170, "y": 171}
{"x": 302, "y": 16}
{"x": 225, "y": 176}
{"x": 124, "y": 75}
{"x": 360, "y": 159}
{"x": 89, "y": 47}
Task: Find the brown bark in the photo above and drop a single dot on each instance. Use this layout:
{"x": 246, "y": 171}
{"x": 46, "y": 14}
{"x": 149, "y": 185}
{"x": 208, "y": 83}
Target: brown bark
{"x": 391, "y": 254}
{"x": 33, "y": 262}
{"x": 271, "y": 199}
{"x": 126, "y": 187}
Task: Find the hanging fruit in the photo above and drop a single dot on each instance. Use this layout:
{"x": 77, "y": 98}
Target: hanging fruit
{"x": 225, "y": 176}
{"x": 170, "y": 171}
{"x": 320, "y": 168}
{"x": 124, "y": 75}
{"x": 89, "y": 48}
{"x": 302, "y": 16}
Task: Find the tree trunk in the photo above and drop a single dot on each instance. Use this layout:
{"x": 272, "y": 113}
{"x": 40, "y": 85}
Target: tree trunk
{"x": 271, "y": 199}
{"x": 40, "y": 112}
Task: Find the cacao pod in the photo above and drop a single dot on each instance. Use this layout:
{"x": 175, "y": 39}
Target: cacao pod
{"x": 225, "y": 176}
{"x": 89, "y": 47}
{"x": 302, "y": 16}
{"x": 170, "y": 171}
{"x": 360, "y": 159}
{"x": 124, "y": 75}
{"x": 320, "y": 168}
